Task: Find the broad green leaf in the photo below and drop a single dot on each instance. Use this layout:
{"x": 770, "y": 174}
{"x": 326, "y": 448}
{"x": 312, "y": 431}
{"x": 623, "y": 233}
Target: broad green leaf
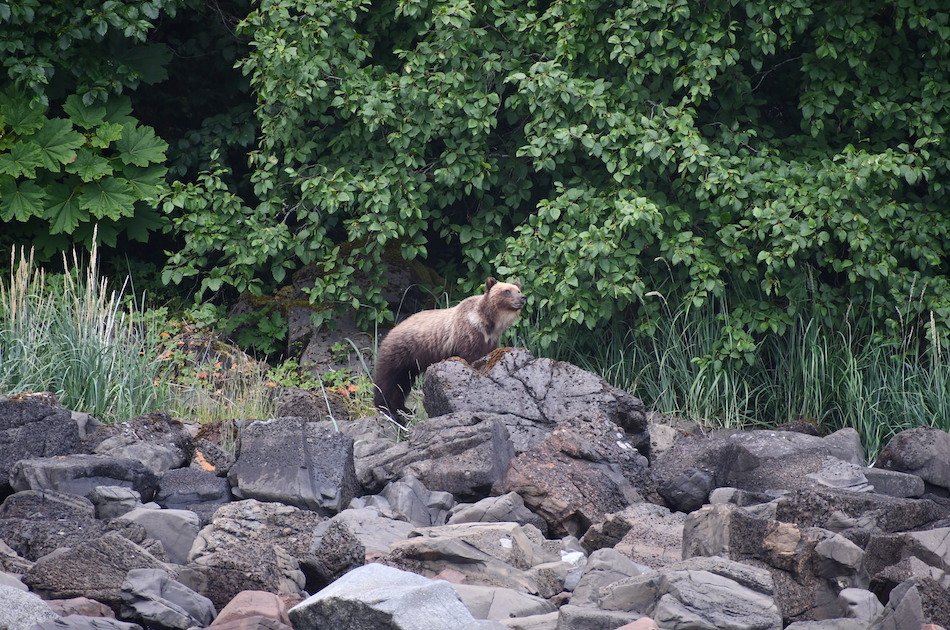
{"x": 106, "y": 134}
{"x": 20, "y": 201}
{"x": 119, "y": 110}
{"x": 63, "y": 210}
{"x": 110, "y": 197}
{"x": 140, "y": 146}
{"x": 89, "y": 166}
{"x": 22, "y": 160}
{"x": 149, "y": 61}
{"x": 58, "y": 143}
{"x": 86, "y": 116}
{"x": 145, "y": 221}
{"x": 19, "y": 113}
{"x": 147, "y": 182}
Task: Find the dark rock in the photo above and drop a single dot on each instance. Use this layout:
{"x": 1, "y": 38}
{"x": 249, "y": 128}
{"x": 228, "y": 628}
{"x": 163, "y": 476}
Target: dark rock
{"x": 337, "y": 551}
{"x": 572, "y": 617}
{"x": 80, "y": 474}
{"x": 646, "y": 533}
{"x": 79, "y": 622}
{"x": 212, "y": 457}
{"x": 408, "y": 500}
{"x": 154, "y": 439}
{"x": 175, "y": 529}
{"x": 296, "y": 462}
{"x": 250, "y": 546}
{"x": 35, "y": 425}
{"x": 916, "y": 602}
{"x": 533, "y": 395}
{"x": 375, "y": 532}
{"x": 152, "y": 597}
{"x": 22, "y": 610}
{"x": 113, "y": 501}
{"x": 316, "y": 406}
{"x": 507, "y": 508}
{"x": 577, "y": 475}
{"x": 199, "y": 491}
{"x": 463, "y": 454}
{"x": 930, "y": 546}
{"x": 377, "y": 596}
{"x": 11, "y": 561}
{"x": 755, "y": 460}
{"x": 884, "y": 581}
{"x": 35, "y": 523}
{"x": 923, "y": 451}
{"x": 894, "y": 484}
{"x": 93, "y": 569}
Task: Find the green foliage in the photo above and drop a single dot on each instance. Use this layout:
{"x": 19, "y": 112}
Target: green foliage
{"x": 72, "y": 156}
{"x": 759, "y": 153}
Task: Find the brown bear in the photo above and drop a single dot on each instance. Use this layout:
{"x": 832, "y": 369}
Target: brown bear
{"x": 469, "y": 330}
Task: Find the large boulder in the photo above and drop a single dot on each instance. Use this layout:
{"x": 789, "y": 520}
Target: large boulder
{"x": 506, "y": 508}
{"x": 35, "y": 523}
{"x": 493, "y": 602}
{"x": 384, "y": 598}
{"x": 251, "y": 545}
{"x": 462, "y": 453}
{"x": 175, "y": 529}
{"x": 646, "y": 533}
{"x": 22, "y": 610}
{"x": 296, "y": 462}
{"x": 94, "y": 569}
{"x": 374, "y": 531}
{"x": 80, "y": 474}
{"x": 152, "y": 597}
{"x": 532, "y": 395}
{"x": 199, "y": 491}
{"x": 82, "y": 622}
{"x": 409, "y": 500}
{"x": 759, "y": 460}
{"x": 154, "y": 439}
{"x": 582, "y": 471}
{"x": 701, "y": 593}
{"x": 923, "y": 451}
{"x": 493, "y": 554}
{"x": 35, "y": 425}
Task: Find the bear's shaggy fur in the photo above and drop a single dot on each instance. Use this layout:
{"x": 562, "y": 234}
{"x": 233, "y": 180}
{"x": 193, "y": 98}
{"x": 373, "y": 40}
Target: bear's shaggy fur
{"x": 469, "y": 330}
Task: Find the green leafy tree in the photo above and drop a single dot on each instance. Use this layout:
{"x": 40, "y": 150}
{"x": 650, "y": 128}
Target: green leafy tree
{"x": 72, "y": 156}
{"x": 764, "y": 155}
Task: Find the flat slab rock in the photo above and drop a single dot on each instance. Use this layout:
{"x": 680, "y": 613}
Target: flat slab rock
{"x": 81, "y": 474}
{"x": 532, "y": 394}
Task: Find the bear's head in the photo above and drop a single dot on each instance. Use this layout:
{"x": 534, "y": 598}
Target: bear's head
{"x": 504, "y": 296}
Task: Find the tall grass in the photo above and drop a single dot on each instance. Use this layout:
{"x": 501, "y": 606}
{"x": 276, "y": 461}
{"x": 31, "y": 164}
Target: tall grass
{"x": 840, "y": 376}
{"x": 75, "y": 336}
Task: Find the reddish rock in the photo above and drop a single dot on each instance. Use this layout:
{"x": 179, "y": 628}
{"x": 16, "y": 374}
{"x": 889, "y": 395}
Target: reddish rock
{"x": 640, "y": 624}
{"x": 249, "y": 604}
{"x": 80, "y": 606}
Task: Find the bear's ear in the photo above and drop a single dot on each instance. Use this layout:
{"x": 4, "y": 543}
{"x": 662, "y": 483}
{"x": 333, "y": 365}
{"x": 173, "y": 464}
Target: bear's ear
{"x": 517, "y": 283}
{"x": 489, "y": 283}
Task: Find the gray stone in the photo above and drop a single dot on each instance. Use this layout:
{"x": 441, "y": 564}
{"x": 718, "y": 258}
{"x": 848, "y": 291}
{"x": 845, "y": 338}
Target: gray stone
{"x": 572, "y": 617}
{"x": 507, "y": 508}
{"x": 894, "y": 483}
{"x": 859, "y": 604}
{"x": 11, "y": 561}
{"x": 492, "y": 602}
{"x": 199, "y": 491}
{"x": 931, "y": 546}
{"x": 95, "y": 569}
{"x": 82, "y": 606}
{"x": 409, "y": 500}
{"x": 295, "y": 462}
{"x": 336, "y": 551}
{"x": 154, "y": 598}
{"x": 113, "y": 501}
{"x": 8, "y": 579}
{"x": 923, "y": 451}
{"x": 532, "y": 394}
{"x": 80, "y": 474}
{"x": 758, "y": 460}
{"x": 603, "y": 568}
{"x": 80, "y": 622}
{"x": 375, "y": 532}
{"x": 463, "y": 454}
{"x": 250, "y": 545}
{"x": 551, "y": 577}
{"x": 648, "y": 534}
{"x": 22, "y": 610}
{"x": 35, "y": 425}
{"x": 547, "y": 621}
{"x": 884, "y": 581}
{"x": 377, "y": 597}
{"x": 494, "y": 554}
{"x": 175, "y": 529}
{"x": 914, "y": 603}
{"x": 35, "y": 523}
{"x": 829, "y": 624}
{"x": 155, "y": 440}
{"x": 840, "y": 556}
{"x": 582, "y": 471}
